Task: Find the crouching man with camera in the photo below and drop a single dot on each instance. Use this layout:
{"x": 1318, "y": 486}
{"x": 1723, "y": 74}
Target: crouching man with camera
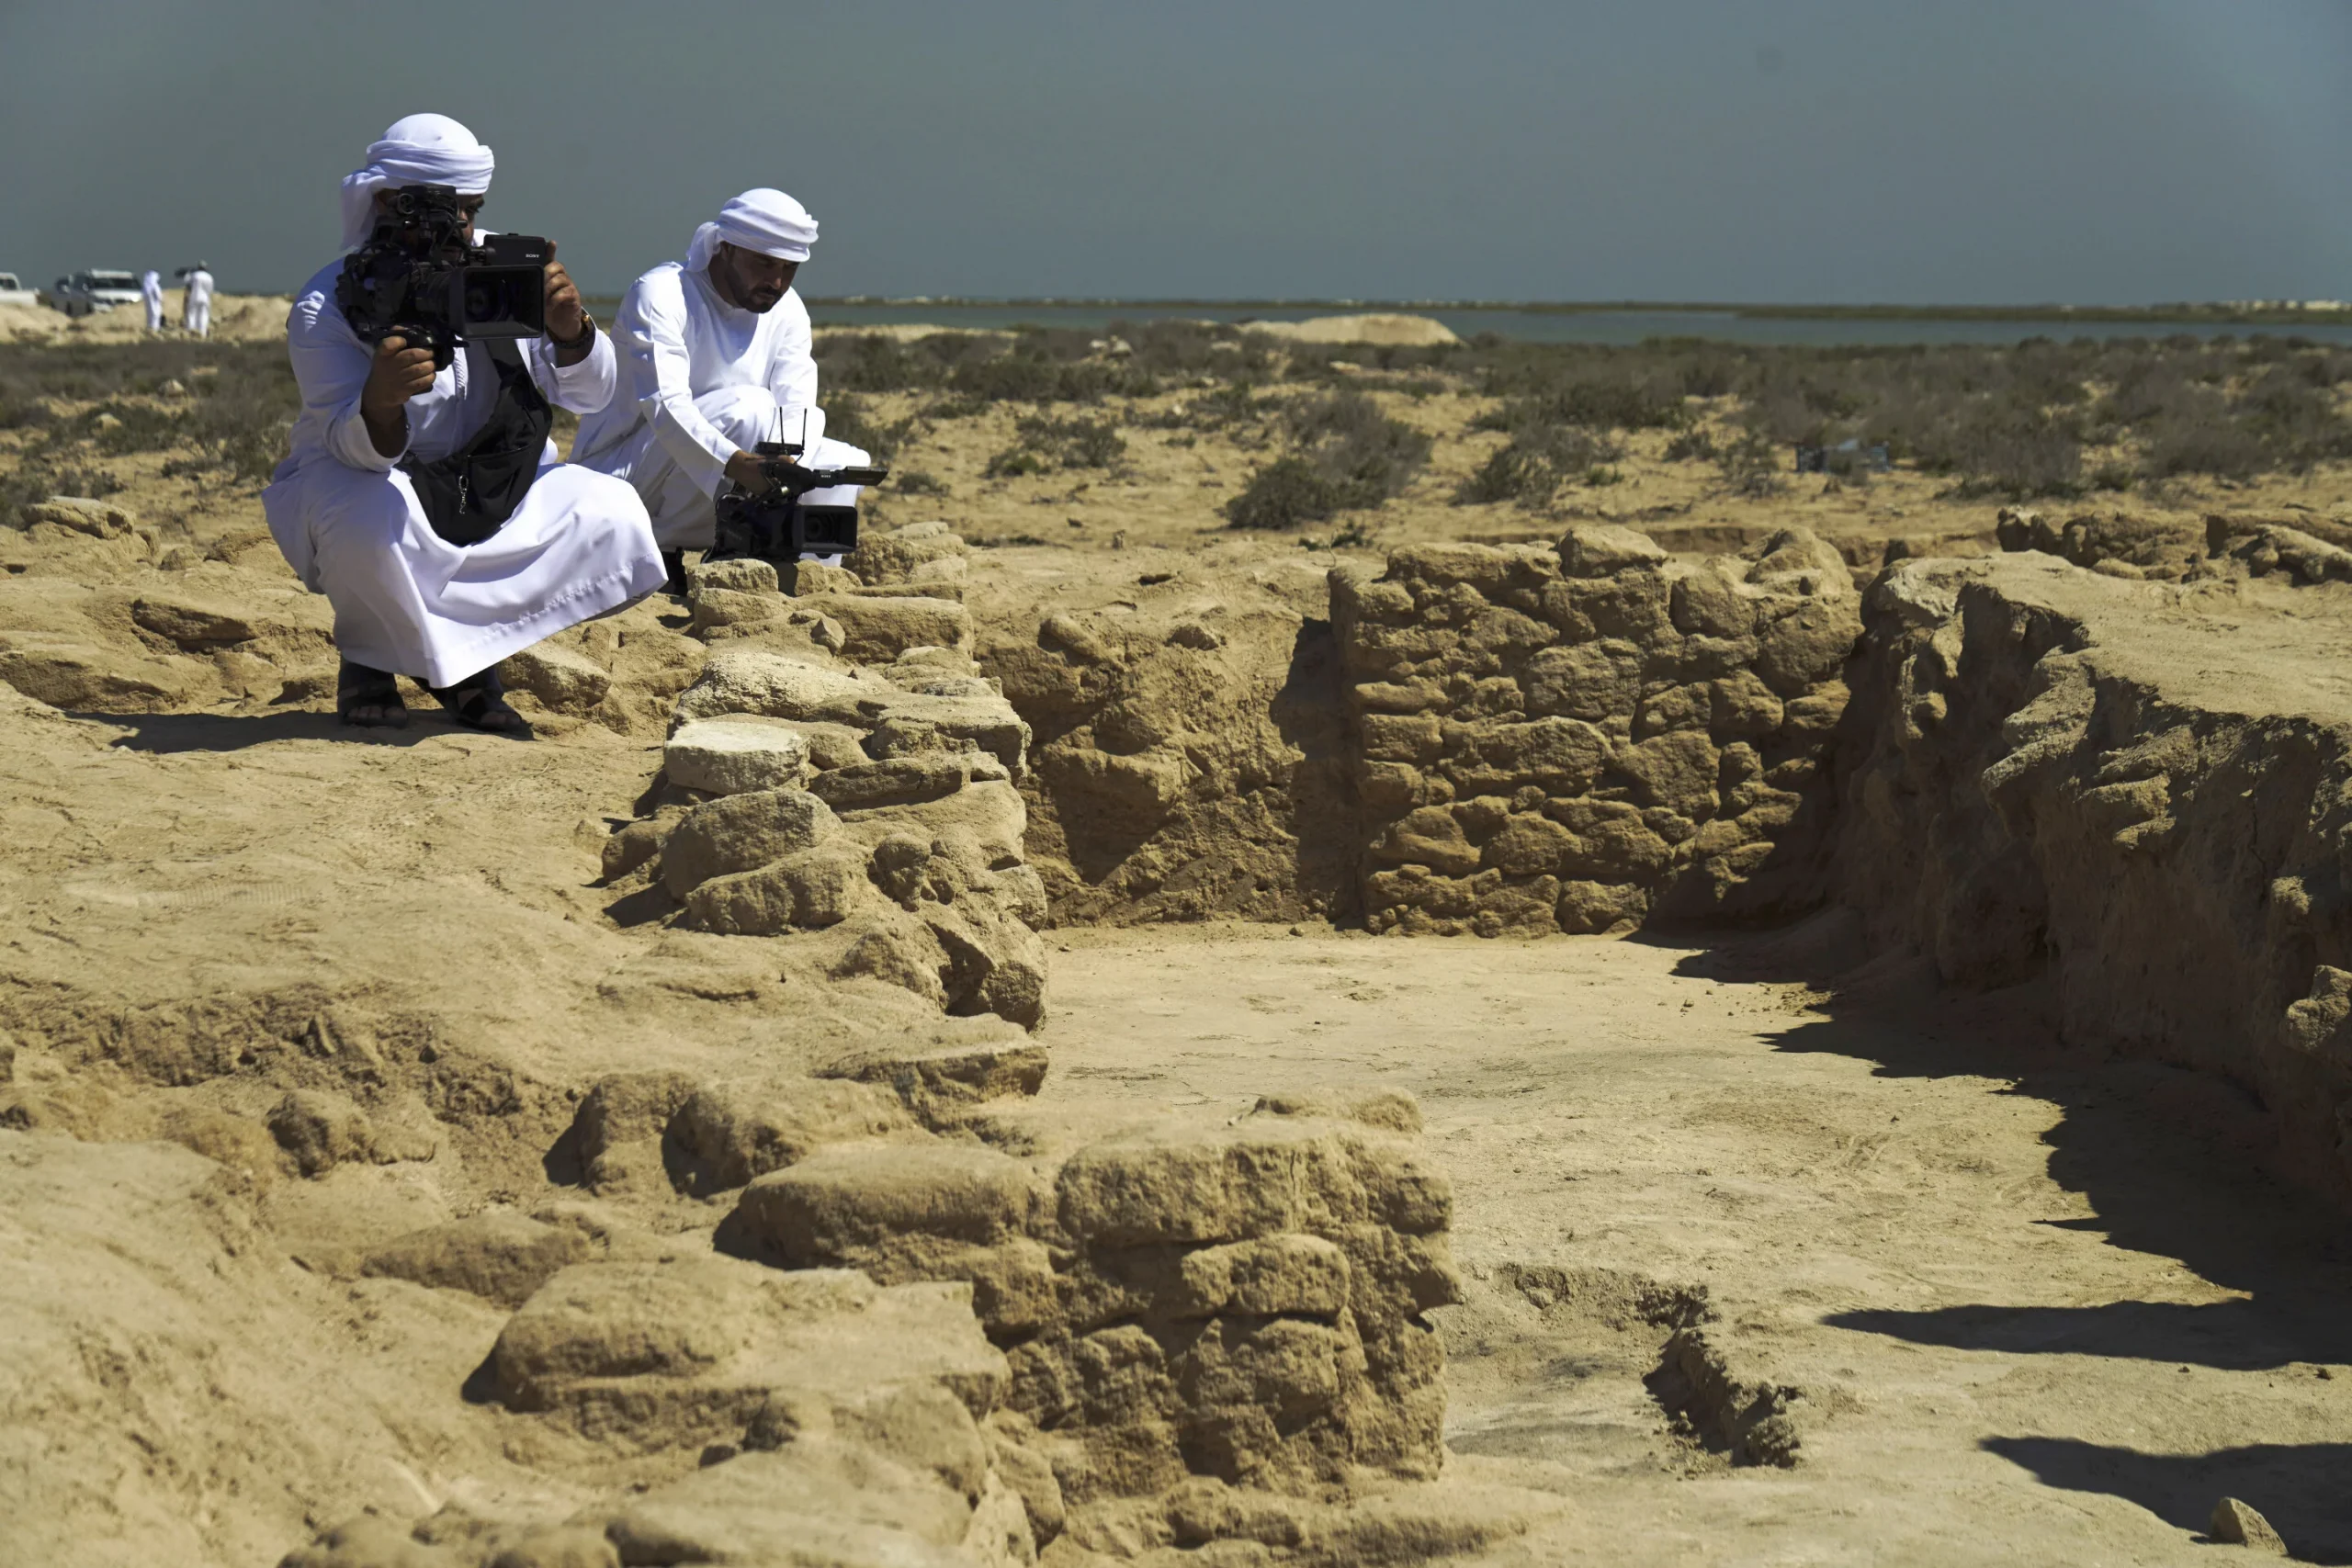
{"x": 422, "y": 497}
{"x": 717, "y": 358}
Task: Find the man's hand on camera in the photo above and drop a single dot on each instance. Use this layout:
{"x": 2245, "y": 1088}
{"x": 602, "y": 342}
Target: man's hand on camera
{"x": 397, "y": 374}
{"x": 749, "y": 473}
{"x": 567, "y": 318}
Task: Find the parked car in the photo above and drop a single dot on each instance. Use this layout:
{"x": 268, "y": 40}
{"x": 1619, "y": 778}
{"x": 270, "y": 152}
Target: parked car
{"x": 88, "y": 292}
{"x": 15, "y": 293}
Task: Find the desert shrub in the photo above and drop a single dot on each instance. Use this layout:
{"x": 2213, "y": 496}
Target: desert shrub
{"x": 1346, "y": 454}
{"x": 1536, "y": 463}
{"x": 1286, "y": 492}
{"x": 1048, "y": 444}
{"x": 877, "y": 361}
{"x": 115, "y": 427}
{"x": 1017, "y": 462}
{"x": 849, "y": 417}
{"x": 918, "y": 481}
{"x": 1638, "y": 401}
{"x": 2294, "y": 417}
{"x": 2018, "y": 453}
{"x": 1230, "y": 405}
{"x": 2198, "y": 436}
{"x": 1350, "y": 440}
{"x": 1026, "y": 376}
{"x": 1178, "y": 348}
{"x": 35, "y": 481}
{"x": 1692, "y": 445}
{"x": 1751, "y": 465}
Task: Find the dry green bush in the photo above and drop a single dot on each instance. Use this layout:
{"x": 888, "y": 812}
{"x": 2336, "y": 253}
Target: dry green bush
{"x": 1046, "y": 443}
{"x": 1537, "y": 462}
{"x": 1346, "y": 455}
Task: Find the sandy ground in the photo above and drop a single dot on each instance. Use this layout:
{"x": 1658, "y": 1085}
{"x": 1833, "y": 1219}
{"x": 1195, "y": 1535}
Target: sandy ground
{"x": 2040, "y": 1307}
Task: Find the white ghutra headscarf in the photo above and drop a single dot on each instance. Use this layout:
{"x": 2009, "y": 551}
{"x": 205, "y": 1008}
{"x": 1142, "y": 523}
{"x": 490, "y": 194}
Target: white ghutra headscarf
{"x": 420, "y": 149}
{"x": 764, "y": 221}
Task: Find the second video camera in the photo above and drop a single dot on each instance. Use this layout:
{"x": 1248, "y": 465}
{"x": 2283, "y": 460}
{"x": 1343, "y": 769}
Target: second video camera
{"x": 807, "y": 511}
{"x": 418, "y": 278}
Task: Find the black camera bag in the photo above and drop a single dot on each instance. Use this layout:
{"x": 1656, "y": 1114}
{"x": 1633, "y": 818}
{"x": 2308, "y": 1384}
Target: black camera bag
{"x": 470, "y": 495}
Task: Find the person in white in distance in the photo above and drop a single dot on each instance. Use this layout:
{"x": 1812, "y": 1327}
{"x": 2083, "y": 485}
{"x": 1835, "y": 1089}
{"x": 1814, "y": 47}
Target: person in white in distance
{"x": 196, "y": 312}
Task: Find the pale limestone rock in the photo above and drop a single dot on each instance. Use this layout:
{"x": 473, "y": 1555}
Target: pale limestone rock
{"x": 722, "y": 758}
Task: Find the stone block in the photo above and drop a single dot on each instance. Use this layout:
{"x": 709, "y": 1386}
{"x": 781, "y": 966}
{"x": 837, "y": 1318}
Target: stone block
{"x": 1399, "y": 738}
{"x": 739, "y": 575}
{"x": 1297, "y": 1276}
{"x": 722, "y": 758}
{"x": 739, "y": 832}
{"x": 844, "y": 1202}
{"x": 746, "y": 680}
{"x": 1428, "y": 836}
{"x": 560, "y": 679}
{"x": 99, "y": 519}
{"x": 898, "y": 781}
{"x": 1601, "y": 550}
{"x": 879, "y": 629}
{"x": 1590, "y": 680}
{"x": 497, "y": 1255}
{"x": 193, "y": 622}
{"x": 807, "y": 889}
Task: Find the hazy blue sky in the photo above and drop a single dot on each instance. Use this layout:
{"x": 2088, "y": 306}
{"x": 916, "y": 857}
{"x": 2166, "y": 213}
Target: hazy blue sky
{"x": 1812, "y": 149}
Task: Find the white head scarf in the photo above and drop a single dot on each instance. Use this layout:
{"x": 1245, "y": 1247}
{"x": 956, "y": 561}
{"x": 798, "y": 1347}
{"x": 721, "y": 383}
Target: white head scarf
{"x": 421, "y": 150}
{"x": 764, "y": 221}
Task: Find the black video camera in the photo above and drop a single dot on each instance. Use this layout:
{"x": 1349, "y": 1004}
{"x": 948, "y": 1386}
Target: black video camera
{"x": 416, "y": 278}
{"x": 780, "y": 525}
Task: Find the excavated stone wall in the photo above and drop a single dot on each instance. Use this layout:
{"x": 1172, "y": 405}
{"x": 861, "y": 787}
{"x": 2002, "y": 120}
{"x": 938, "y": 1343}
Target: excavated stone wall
{"x": 839, "y": 766}
{"x": 1189, "y": 749}
{"x": 2141, "y": 790}
{"x": 1592, "y": 736}
{"x": 938, "y": 1326}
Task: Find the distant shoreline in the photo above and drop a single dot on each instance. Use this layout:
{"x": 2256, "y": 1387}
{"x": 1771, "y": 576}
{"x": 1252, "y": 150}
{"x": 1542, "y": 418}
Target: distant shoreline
{"x": 2206, "y": 314}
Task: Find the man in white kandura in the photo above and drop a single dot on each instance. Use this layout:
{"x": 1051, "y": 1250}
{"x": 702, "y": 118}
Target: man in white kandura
{"x": 716, "y": 357}
{"x": 196, "y": 314}
{"x": 378, "y": 424}
{"x": 151, "y": 289}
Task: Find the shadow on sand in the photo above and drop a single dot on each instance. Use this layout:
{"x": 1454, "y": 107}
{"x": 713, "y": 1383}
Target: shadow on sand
{"x": 165, "y": 733}
{"x": 2170, "y": 1161}
{"x": 2299, "y": 1488}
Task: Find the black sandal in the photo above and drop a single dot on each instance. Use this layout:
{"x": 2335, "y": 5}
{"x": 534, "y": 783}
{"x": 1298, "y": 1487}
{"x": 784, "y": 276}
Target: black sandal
{"x": 366, "y": 698}
{"x": 479, "y": 702}
{"x": 673, "y": 569}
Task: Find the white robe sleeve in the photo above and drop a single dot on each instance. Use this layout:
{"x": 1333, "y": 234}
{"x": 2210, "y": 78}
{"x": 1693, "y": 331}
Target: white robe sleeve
{"x": 655, "y": 331}
{"x": 331, "y": 367}
{"x": 584, "y": 387}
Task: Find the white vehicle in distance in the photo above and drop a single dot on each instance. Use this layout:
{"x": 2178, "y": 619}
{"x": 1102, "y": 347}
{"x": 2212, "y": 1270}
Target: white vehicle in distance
{"x": 88, "y": 292}
{"x": 15, "y": 293}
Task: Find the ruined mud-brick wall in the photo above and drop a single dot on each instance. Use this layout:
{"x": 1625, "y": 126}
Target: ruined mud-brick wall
{"x": 1188, "y": 758}
{"x": 2303, "y": 546}
{"x": 2138, "y": 789}
{"x": 940, "y": 1326}
{"x": 1592, "y": 736}
{"x": 839, "y": 769}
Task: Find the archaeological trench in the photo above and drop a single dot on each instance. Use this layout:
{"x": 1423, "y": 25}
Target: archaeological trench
{"x": 763, "y": 1247}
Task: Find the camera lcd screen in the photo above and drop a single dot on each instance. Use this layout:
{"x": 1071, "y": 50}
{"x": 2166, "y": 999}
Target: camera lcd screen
{"x": 502, "y": 301}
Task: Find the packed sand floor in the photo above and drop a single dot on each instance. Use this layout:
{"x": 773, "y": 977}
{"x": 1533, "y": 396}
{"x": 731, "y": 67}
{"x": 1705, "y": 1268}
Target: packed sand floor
{"x": 2037, "y": 1305}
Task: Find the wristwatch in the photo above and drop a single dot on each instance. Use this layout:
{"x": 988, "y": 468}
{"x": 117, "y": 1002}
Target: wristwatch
{"x": 587, "y": 333}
